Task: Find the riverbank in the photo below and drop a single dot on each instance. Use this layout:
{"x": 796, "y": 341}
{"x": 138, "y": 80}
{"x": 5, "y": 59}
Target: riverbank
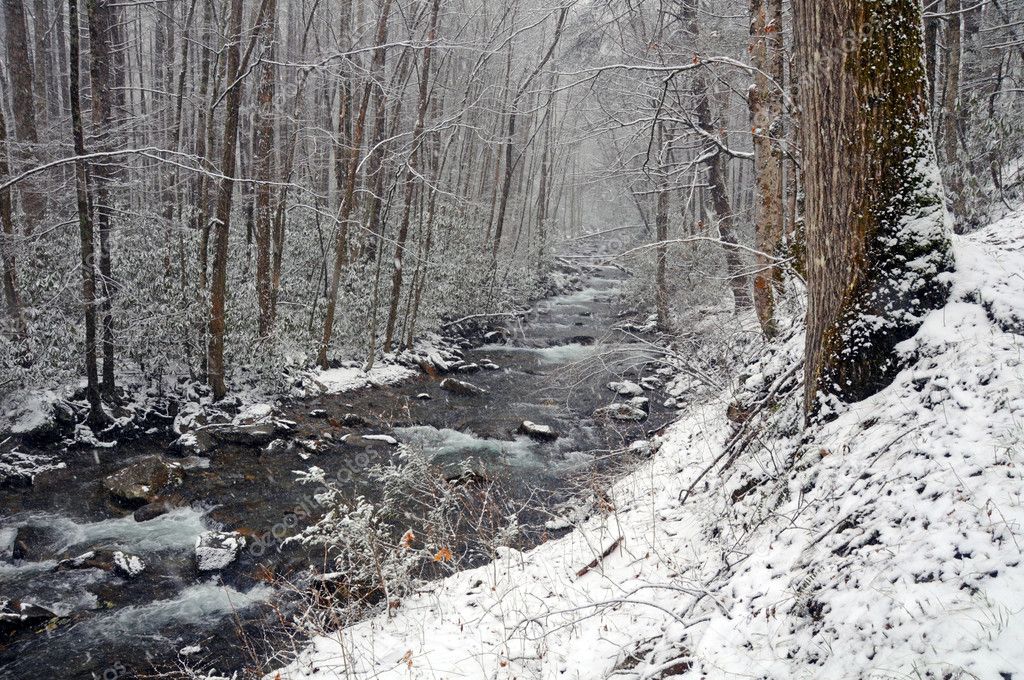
{"x": 885, "y": 543}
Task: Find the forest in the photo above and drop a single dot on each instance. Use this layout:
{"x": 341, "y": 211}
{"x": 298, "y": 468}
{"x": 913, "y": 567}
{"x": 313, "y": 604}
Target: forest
{"x": 450, "y": 338}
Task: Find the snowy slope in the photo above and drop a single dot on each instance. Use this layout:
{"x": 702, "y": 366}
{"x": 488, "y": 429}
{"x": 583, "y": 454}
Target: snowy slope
{"x": 887, "y": 544}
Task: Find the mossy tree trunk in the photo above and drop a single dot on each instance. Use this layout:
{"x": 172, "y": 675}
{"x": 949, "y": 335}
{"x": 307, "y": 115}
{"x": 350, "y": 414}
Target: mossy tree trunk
{"x": 876, "y": 223}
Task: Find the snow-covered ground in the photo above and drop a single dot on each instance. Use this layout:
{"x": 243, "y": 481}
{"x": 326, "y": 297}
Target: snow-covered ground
{"x": 886, "y": 544}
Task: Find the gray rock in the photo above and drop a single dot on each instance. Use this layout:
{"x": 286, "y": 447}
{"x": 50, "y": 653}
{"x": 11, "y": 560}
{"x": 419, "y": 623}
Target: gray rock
{"x": 461, "y": 388}
{"x": 650, "y": 383}
{"x": 354, "y": 420}
{"x": 144, "y": 480}
{"x": 544, "y": 433}
{"x": 34, "y": 543}
{"x": 626, "y": 388}
{"x": 642, "y": 403}
{"x": 217, "y": 549}
{"x": 197, "y": 443}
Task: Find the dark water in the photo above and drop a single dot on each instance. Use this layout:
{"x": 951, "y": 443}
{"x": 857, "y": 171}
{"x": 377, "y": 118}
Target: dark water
{"x": 553, "y": 370}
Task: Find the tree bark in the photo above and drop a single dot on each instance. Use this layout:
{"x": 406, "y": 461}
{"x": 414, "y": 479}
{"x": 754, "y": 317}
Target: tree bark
{"x": 102, "y": 16}
{"x": 19, "y": 63}
{"x": 222, "y": 221}
{"x": 263, "y": 160}
{"x": 876, "y": 223}
{"x": 951, "y": 110}
{"x": 12, "y": 295}
{"x": 85, "y": 225}
{"x": 765, "y": 99}
{"x": 410, "y": 176}
{"x": 348, "y": 198}
{"x": 717, "y": 167}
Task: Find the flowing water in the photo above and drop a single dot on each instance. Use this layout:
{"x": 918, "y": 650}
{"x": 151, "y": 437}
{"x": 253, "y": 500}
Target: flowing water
{"x": 554, "y": 369}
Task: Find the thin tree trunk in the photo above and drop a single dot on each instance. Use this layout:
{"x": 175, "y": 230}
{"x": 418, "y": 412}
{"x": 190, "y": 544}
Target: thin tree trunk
{"x": 12, "y": 295}
{"x": 347, "y": 200}
{"x": 717, "y": 167}
{"x": 101, "y": 17}
{"x": 222, "y": 221}
{"x": 410, "y": 176}
{"x": 765, "y": 100}
{"x": 263, "y": 157}
{"x": 85, "y": 226}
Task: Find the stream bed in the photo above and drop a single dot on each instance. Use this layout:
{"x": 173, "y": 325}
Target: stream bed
{"x": 552, "y": 368}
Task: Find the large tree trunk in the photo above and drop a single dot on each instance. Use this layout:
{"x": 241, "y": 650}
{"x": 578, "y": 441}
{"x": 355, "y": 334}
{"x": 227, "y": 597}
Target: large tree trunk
{"x": 85, "y": 226}
{"x": 876, "y": 223}
{"x": 19, "y": 64}
{"x": 766, "y": 122}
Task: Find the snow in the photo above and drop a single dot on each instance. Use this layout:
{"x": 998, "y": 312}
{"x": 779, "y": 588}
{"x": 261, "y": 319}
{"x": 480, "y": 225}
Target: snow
{"x": 386, "y": 438}
{"x": 339, "y": 380}
{"x": 128, "y": 565}
{"x": 886, "y": 543}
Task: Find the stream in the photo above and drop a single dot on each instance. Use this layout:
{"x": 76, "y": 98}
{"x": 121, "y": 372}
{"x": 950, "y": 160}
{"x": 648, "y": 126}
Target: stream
{"x": 552, "y": 369}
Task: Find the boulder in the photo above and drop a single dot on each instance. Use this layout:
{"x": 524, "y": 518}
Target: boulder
{"x": 254, "y": 435}
{"x": 34, "y": 543}
{"x": 650, "y": 383}
{"x": 318, "y": 413}
{"x": 112, "y": 561}
{"x": 195, "y": 443}
{"x": 469, "y": 368}
{"x": 626, "y": 388}
{"x": 17, "y": 616}
{"x": 620, "y": 412}
{"x": 424, "y": 396}
{"x": 144, "y": 480}
{"x": 461, "y": 388}
{"x": 217, "y": 549}
{"x": 642, "y": 403}
{"x": 544, "y": 433}
{"x": 150, "y": 511}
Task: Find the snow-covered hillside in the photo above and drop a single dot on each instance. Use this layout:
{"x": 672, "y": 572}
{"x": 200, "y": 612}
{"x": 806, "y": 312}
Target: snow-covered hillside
{"x": 886, "y": 544}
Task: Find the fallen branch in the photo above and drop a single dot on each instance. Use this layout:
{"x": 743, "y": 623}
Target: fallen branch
{"x": 597, "y": 560}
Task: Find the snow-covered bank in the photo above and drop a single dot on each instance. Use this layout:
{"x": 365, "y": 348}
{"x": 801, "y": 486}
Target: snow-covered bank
{"x": 884, "y": 544}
